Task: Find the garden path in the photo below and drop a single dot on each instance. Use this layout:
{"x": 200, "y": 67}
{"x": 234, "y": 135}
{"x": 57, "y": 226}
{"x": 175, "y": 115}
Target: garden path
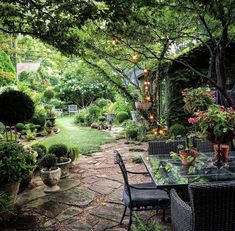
{"x": 90, "y": 199}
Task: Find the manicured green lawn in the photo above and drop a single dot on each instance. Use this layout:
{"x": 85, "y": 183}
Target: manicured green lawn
{"x": 86, "y": 139}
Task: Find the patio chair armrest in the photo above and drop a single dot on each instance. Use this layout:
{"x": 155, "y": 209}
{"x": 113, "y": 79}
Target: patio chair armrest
{"x": 181, "y": 213}
{"x": 143, "y": 173}
{"x": 143, "y": 188}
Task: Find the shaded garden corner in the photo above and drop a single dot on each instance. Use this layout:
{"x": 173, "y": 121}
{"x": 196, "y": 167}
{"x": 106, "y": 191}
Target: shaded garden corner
{"x": 90, "y": 199}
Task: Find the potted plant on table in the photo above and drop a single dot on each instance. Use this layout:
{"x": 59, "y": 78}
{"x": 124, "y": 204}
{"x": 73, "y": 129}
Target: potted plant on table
{"x": 15, "y": 165}
{"x": 63, "y": 161}
{"x": 187, "y": 155}
{"x": 217, "y": 124}
{"x": 50, "y": 173}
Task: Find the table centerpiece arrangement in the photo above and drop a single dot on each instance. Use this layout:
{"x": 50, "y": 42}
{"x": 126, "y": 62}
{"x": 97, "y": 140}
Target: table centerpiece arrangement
{"x": 212, "y": 122}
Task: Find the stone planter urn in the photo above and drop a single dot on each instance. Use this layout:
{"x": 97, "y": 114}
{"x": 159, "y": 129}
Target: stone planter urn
{"x": 65, "y": 165}
{"x": 51, "y": 178}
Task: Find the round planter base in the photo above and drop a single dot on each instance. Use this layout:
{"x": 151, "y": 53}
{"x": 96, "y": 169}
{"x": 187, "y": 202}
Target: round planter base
{"x": 64, "y": 168}
{"x": 52, "y": 189}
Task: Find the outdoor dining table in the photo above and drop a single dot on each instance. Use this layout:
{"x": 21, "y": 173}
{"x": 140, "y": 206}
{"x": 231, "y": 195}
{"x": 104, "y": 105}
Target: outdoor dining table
{"x": 168, "y": 172}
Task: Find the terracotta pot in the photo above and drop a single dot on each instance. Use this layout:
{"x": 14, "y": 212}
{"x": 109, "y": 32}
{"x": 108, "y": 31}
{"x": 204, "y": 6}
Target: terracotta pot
{"x": 184, "y": 154}
{"x": 224, "y": 152}
{"x": 51, "y": 178}
{"x": 143, "y": 105}
{"x": 64, "y": 166}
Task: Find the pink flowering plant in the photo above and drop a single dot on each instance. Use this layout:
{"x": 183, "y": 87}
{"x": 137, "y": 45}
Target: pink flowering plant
{"x": 216, "y": 121}
{"x": 198, "y": 99}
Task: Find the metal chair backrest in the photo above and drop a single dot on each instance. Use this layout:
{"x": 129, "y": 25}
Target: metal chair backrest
{"x": 163, "y": 147}
{"x": 213, "y": 206}
{"x": 120, "y": 162}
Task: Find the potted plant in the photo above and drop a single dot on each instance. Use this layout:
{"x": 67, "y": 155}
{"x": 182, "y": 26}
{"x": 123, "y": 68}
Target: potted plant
{"x": 143, "y": 105}
{"x": 217, "y": 125}
{"x": 63, "y": 161}
{"x": 187, "y": 155}
{"x": 15, "y": 164}
{"x": 50, "y": 173}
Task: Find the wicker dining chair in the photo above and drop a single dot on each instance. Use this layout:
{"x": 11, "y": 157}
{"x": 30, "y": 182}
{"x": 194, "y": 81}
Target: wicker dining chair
{"x": 211, "y": 208}
{"x": 163, "y": 147}
{"x": 142, "y": 196}
{"x": 203, "y": 146}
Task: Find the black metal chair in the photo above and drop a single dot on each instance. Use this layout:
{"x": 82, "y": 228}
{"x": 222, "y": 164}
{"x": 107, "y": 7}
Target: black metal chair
{"x": 211, "y": 208}
{"x": 140, "y": 197}
{"x": 163, "y": 147}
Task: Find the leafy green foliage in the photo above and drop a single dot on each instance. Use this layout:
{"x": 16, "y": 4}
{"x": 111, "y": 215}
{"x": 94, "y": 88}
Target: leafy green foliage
{"x": 7, "y": 70}
{"x": 146, "y": 226}
{"x": 122, "y": 116}
{"x": 177, "y": 130}
{"x": 15, "y": 107}
{"x": 81, "y": 116}
{"x": 49, "y": 94}
{"x": 6, "y": 205}
{"x": 15, "y": 162}
{"x": 131, "y": 129}
{"x": 60, "y": 150}
{"x": 19, "y": 127}
{"x": 48, "y": 161}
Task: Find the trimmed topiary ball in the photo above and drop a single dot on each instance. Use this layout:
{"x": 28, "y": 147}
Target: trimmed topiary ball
{"x": 20, "y": 127}
{"x": 16, "y": 107}
{"x": 122, "y": 116}
{"x": 48, "y": 161}
{"x": 60, "y": 150}
{"x": 177, "y": 130}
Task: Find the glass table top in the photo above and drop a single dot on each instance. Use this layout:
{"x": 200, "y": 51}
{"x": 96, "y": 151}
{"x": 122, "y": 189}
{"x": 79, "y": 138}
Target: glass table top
{"x": 168, "y": 171}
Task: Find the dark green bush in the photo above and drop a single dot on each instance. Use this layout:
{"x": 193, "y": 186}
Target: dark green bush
{"x": 6, "y": 205}
{"x": 40, "y": 149}
{"x": 101, "y": 102}
{"x": 2, "y": 127}
{"x": 93, "y": 113}
{"x": 39, "y": 119}
{"x": 48, "y": 124}
{"x": 122, "y": 116}
{"x": 16, "y": 107}
{"x": 131, "y": 129}
{"x": 19, "y": 127}
{"x": 17, "y": 163}
{"x": 48, "y": 161}
{"x": 101, "y": 118}
{"x": 81, "y": 116}
{"x": 48, "y": 93}
{"x": 177, "y": 130}
{"x": 60, "y": 150}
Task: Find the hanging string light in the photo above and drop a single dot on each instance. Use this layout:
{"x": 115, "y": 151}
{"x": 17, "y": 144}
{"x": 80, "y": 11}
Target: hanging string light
{"x": 134, "y": 57}
{"x": 151, "y": 117}
{"x": 145, "y": 70}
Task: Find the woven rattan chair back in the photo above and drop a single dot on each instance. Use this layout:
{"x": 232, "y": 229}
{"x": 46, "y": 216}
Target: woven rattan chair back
{"x": 213, "y": 206}
{"x": 163, "y": 147}
{"x": 203, "y": 146}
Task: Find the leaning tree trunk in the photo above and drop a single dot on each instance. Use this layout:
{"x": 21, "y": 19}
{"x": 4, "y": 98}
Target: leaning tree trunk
{"x": 221, "y": 69}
